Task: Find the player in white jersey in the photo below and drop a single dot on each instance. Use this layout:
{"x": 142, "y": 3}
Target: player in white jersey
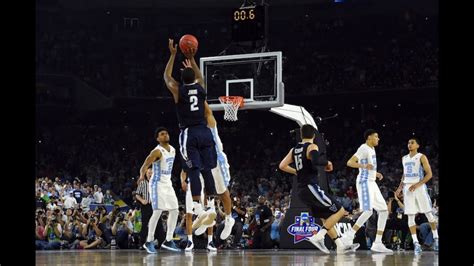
{"x": 368, "y": 191}
{"x": 162, "y": 194}
{"x": 416, "y": 172}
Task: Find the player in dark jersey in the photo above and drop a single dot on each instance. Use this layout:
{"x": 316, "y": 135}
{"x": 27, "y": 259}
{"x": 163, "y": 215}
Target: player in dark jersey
{"x": 197, "y": 145}
{"x": 306, "y": 157}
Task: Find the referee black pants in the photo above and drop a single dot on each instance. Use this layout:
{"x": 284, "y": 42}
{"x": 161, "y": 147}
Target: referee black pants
{"x": 160, "y": 234}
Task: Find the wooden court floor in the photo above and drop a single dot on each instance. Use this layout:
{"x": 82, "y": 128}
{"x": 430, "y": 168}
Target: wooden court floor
{"x": 231, "y": 257}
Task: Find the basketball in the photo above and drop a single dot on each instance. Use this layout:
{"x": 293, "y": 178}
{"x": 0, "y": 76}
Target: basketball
{"x": 188, "y": 41}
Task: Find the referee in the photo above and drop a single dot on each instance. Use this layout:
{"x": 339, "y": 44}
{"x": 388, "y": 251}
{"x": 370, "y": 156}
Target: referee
{"x": 143, "y": 197}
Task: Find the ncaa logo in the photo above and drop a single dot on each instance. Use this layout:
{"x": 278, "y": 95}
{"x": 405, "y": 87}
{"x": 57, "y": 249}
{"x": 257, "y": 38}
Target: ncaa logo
{"x": 303, "y": 228}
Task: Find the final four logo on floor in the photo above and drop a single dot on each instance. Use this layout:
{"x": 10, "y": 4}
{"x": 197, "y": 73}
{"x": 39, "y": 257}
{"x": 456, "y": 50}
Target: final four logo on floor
{"x": 303, "y": 227}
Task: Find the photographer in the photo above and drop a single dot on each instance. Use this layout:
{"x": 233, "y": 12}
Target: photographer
{"x": 72, "y": 229}
{"x": 238, "y": 213}
{"x": 93, "y": 233}
{"x": 263, "y": 219}
{"x": 40, "y": 222}
{"x": 52, "y": 232}
{"x": 121, "y": 230}
{"x": 105, "y": 224}
{"x": 396, "y": 219}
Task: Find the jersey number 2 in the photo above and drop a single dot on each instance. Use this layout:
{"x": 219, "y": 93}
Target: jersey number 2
{"x": 298, "y": 162}
{"x": 194, "y": 101}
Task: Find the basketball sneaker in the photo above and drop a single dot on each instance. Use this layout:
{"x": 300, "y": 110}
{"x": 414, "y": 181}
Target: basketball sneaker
{"x": 210, "y": 218}
{"x": 211, "y": 246}
{"x": 170, "y": 245}
{"x": 203, "y": 228}
{"x": 150, "y": 247}
{"x": 189, "y": 246}
{"x": 347, "y": 239}
{"x": 417, "y": 248}
{"x": 319, "y": 244}
{"x": 228, "y": 224}
{"x": 380, "y": 247}
{"x": 201, "y": 217}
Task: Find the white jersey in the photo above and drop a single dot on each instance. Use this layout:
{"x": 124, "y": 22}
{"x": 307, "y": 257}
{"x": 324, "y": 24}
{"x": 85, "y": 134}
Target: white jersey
{"x": 366, "y": 155}
{"x": 412, "y": 168}
{"x": 163, "y": 167}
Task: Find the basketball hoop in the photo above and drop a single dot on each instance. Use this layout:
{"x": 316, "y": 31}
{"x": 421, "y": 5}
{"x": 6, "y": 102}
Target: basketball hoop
{"x": 231, "y": 106}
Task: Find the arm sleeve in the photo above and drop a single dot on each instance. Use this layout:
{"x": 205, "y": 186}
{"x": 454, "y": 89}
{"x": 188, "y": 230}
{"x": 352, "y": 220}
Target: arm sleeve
{"x": 317, "y": 160}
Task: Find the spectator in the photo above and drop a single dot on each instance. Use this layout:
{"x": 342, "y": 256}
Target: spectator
{"x": 275, "y": 231}
{"x": 263, "y": 219}
{"x": 69, "y": 201}
{"x": 98, "y": 196}
{"x": 396, "y": 219}
{"x": 108, "y": 199}
{"x": 86, "y": 201}
{"x": 121, "y": 230}
{"x": 52, "y": 232}
{"x": 350, "y": 192}
{"x": 93, "y": 234}
{"x": 238, "y": 213}
{"x": 77, "y": 193}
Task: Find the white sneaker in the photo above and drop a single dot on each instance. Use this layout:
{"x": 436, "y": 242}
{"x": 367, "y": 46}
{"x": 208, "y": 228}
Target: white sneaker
{"x": 211, "y": 247}
{"x": 319, "y": 244}
{"x": 203, "y": 228}
{"x": 200, "y": 219}
{"x": 211, "y": 217}
{"x": 228, "y": 224}
{"x": 347, "y": 248}
{"x": 380, "y": 247}
{"x": 189, "y": 246}
{"x": 347, "y": 239}
{"x": 354, "y": 247}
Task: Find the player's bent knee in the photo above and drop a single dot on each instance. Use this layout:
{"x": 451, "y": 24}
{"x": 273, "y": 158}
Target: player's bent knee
{"x": 369, "y": 212}
{"x": 430, "y": 217}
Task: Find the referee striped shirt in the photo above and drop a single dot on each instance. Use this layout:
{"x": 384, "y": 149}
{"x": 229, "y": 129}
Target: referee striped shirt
{"x": 142, "y": 190}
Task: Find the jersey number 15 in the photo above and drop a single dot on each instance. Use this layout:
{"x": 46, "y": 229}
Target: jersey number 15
{"x": 298, "y": 162}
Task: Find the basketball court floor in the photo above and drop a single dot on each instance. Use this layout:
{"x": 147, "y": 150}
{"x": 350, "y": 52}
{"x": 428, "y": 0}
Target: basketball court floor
{"x": 231, "y": 257}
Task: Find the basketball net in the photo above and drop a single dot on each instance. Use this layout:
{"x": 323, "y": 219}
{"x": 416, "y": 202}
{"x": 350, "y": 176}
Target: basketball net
{"x": 231, "y": 106}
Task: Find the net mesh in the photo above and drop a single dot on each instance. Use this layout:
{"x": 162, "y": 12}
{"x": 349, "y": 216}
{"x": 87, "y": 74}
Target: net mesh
{"x": 231, "y": 106}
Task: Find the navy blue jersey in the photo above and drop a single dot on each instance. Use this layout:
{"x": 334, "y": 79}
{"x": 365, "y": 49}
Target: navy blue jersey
{"x": 304, "y": 169}
{"x": 190, "y": 106}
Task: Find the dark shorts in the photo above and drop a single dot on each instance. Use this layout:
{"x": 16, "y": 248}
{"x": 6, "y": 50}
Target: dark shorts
{"x": 198, "y": 154}
{"x": 321, "y": 204}
{"x": 197, "y": 148}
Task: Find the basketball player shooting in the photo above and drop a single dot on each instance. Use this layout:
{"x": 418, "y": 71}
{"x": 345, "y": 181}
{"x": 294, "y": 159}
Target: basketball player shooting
{"x": 196, "y": 140}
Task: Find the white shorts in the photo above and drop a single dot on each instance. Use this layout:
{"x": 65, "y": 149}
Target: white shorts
{"x": 370, "y": 196}
{"x": 417, "y": 201}
{"x": 221, "y": 173}
{"x": 162, "y": 196}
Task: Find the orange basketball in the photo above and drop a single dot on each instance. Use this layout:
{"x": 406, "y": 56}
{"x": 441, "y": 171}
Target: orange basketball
{"x": 188, "y": 41}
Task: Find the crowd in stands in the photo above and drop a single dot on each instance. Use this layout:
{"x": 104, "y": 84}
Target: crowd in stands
{"x": 348, "y": 54}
